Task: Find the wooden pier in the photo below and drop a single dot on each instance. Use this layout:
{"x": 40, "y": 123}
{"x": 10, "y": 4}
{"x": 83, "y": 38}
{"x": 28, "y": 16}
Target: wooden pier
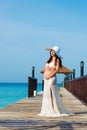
{"x": 23, "y": 115}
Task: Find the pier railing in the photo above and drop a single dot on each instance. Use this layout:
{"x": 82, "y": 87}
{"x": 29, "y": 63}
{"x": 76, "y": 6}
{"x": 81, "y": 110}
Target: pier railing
{"x": 78, "y": 87}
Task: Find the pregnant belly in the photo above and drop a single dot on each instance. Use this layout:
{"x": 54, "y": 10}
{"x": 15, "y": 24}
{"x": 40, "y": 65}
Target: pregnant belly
{"x": 47, "y": 72}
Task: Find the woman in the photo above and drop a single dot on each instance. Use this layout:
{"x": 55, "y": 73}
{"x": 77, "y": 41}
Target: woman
{"x": 52, "y": 105}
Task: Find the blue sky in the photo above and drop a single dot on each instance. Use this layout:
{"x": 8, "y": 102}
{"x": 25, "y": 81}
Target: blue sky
{"x": 27, "y": 27}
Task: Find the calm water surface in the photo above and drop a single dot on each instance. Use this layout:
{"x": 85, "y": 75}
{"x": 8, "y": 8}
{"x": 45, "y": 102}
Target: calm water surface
{"x": 13, "y": 92}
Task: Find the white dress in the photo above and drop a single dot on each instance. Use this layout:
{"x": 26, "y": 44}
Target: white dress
{"x": 52, "y": 105}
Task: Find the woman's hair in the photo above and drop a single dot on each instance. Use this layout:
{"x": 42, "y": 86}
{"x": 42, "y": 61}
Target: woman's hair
{"x": 50, "y": 59}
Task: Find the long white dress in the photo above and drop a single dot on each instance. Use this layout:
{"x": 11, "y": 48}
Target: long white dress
{"x": 52, "y": 105}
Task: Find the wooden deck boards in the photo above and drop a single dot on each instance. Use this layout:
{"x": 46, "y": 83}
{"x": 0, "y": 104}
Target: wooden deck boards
{"x": 23, "y": 115}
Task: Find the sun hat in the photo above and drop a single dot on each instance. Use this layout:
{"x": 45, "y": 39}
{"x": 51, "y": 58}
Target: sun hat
{"x": 56, "y": 49}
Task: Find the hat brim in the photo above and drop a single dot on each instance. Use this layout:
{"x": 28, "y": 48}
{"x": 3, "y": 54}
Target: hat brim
{"x": 59, "y": 55}
{"x": 49, "y": 49}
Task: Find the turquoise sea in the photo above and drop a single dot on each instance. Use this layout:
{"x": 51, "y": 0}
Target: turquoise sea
{"x": 13, "y": 92}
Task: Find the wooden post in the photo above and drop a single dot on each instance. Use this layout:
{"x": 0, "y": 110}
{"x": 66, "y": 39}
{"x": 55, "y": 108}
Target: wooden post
{"x": 73, "y": 73}
{"x": 82, "y": 68}
{"x": 66, "y": 77}
{"x": 70, "y": 76}
{"x": 42, "y": 85}
{"x": 33, "y": 71}
{"x": 32, "y": 84}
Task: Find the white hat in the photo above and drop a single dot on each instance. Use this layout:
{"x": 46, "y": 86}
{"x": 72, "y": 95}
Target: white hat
{"x": 56, "y": 49}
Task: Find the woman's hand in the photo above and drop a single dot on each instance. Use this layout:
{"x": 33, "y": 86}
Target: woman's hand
{"x": 46, "y": 77}
{"x": 49, "y": 72}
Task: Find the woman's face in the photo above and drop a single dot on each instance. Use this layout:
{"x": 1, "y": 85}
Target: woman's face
{"x": 52, "y": 53}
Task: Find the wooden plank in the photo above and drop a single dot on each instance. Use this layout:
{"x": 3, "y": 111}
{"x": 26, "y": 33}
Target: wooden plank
{"x": 23, "y": 115}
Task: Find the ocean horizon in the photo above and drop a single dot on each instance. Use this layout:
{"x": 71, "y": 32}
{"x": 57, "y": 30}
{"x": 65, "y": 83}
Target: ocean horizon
{"x": 12, "y": 92}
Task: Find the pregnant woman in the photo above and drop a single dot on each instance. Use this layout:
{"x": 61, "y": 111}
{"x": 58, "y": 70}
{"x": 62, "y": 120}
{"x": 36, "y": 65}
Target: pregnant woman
{"x": 52, "y": 105}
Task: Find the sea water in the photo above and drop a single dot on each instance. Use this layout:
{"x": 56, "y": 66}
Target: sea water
{"x": 13, "y": 92}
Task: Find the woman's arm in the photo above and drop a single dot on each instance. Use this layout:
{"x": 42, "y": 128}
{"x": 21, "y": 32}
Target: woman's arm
{"x": 42, "y": 71}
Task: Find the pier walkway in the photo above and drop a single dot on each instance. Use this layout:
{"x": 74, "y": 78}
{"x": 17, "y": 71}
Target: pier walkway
{"x": 23, "y": 115}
